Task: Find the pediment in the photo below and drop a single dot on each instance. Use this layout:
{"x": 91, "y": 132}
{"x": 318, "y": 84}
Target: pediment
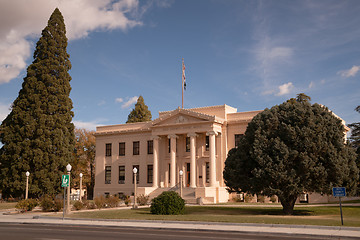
{"x": 182, "y": 116}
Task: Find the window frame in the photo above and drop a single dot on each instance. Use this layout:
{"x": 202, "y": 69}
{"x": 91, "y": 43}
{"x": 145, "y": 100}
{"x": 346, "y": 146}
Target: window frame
{"x": 136, "y": 147}
{"x": 150, "y": 147}
{"x": 150, "y": 173}
{"x": 122, "y": 170}
{"x": 108, "y": 149}
{"x": 107, "y": 174}
{"x": 122, "y": 148}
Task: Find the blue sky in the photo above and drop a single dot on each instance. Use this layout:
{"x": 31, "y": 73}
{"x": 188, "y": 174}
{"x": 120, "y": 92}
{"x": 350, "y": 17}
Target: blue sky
{"x": 247, "y": 54}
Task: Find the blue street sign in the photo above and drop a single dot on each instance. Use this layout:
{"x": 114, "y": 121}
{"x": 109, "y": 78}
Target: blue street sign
{"x": 339, "y": 192}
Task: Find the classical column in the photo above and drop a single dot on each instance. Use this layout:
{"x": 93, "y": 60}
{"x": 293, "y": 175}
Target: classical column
{"x": 156, "y": 162}
{"x": 192, "y": 160}
{"x": 172, "y": 159}
{"x": 212, "y": 135}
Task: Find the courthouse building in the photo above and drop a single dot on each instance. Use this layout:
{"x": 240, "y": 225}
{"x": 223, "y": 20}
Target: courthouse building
{"x": 195, "y": 141}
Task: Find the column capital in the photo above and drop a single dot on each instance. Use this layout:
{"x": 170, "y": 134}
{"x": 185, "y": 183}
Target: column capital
{"x": 192, "y": 135}
{"x": 211, "y": 133}
{"x": 155, "y": 137}
{"x": 172, "y": 136}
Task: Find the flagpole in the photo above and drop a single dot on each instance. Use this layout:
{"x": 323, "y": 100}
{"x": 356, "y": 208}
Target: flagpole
{"x": 182, "y": 88}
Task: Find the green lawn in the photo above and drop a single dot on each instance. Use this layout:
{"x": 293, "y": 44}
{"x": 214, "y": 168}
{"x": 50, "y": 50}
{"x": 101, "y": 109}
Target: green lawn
{"x": 328, "y": 216}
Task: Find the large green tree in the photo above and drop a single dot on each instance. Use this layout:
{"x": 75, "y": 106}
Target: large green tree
{"x": 355, "y": 140}
{"x": 292, "y": 148}
{"x": 38, "y": 135}
{"x": 140, "y": 113}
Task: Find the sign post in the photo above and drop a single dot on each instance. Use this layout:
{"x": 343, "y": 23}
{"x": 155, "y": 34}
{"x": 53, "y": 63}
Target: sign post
{"x": 339, "y": 192}
{"x": 64, "y": 183}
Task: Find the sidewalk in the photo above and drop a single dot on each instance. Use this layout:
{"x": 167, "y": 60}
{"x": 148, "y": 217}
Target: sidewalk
{"x": 325, "y": 231}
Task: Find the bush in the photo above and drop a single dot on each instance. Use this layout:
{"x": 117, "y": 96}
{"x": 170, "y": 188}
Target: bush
{"x": 58, "y": 205}
{"x": 142, "y": 200}
{"x": 168, "y": 203}
{"x": 46, "y": 203}
{"x": 49, "y": 204}
{"x": 127, "y": 200}
{"x": 100, "y": 202}
{"x": 26, "y": 205}
{"x": 78, "y": 205}
{"x": 248, "y": 198}
{"x": 112, "y": 201}
{"x": 261, "y": 198}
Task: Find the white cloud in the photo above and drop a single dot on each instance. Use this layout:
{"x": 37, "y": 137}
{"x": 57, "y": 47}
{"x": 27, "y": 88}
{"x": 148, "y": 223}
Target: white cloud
{"x": 285, "y": 89}
{"x": 4, "y": 111}
{"x": 279, "y": 53}
{"x": 311, "y": 85}
{"x": 130, "y": 102}
{"x": 21, "y": 21}
{"x": 88, "y": 125}
{"x": 119, "y": 100}
{"x": 350, "y": 72}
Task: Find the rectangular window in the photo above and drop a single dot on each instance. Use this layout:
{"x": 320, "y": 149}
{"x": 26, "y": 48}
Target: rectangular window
{"x": 207, "y": 143}
{"x": 108, "y": 149}
{"x": 150, "y": 174}
{"x": 169, "y": 145}
{"x": 137, "y": 174}
{"x": 150, "y": 147}
{"x": 107, "y": 174}
{"x": 237, "y": 139}
{"x": 121, "y": 174}
{"x": 207, "y": 172}
{"x": 107, "y": 195}
{"x": 136, "y": 148}
{"x": 187, "y": 144}
{"x": 122, "y": 149}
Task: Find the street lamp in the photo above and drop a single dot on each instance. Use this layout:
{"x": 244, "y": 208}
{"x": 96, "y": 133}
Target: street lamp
{"x": 68, "y": 168}
{"x": 135, "y": 170}
{"x": 81, "y": 175}
{"x": 181, "y": 175}
{"x": 27, "y": 184}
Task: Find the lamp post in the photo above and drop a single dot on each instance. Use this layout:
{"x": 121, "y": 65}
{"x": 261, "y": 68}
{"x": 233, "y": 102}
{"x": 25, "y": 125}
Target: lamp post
{"x": 135, "y": 172}
{"x": 181, "y": 175}
{"x": 68, "y": 168}
{"x": 27, "y": 184}
{"x": 81, "y": 175}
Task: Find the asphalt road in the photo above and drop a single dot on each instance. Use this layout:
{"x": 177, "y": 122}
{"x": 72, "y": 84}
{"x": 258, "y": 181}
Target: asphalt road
{"x": 56, "y": 232}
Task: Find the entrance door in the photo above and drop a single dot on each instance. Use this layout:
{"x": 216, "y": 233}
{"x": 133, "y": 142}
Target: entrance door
{"x": 187, "y": 174}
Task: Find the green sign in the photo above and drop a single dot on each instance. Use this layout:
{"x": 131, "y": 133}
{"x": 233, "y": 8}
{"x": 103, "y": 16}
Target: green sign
{"x": 65, "y": 180}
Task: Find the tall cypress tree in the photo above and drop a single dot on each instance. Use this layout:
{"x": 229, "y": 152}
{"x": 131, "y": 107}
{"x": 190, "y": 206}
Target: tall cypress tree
{"x": 140, "y": 113}
{"x": 38, "y": 135}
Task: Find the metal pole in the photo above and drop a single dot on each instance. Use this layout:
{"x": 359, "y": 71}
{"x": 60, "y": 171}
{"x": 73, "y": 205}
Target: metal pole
{"x": 27, "y": 187}
{"x": 182, "y": 77}
{"x": 80, "y": 187}
{"x": 135, "y": 206}
{"x": 181, "y": 185}
{"x": 64, "y": 204}
{"x": 342, "y": 222}
{"x": 68, "y": 197}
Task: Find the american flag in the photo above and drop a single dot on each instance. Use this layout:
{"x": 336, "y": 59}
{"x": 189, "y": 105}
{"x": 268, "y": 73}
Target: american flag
{"x": 183, "y": 75}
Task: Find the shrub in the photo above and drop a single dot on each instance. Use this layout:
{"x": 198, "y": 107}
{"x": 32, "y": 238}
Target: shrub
{"x": 261, "y": 198}
{"x": 26, "y": 205}
{"x": 273, "y": 199}
{"x": 58, "y": 205}
{"x": 142, "y": 199}
{"x": 100, "y": 202}
{"x": 46, "y": 203}
{"x": 248, "y": 198}
{"x": 168, "y": 203}
{"x": 112, "y": 201}
{"x": 127, "y": 200}
{"x": 78, "y": 205}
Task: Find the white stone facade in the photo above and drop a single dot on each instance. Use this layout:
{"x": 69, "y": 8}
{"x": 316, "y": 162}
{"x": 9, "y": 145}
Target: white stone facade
{"x": 195, "y": 141}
